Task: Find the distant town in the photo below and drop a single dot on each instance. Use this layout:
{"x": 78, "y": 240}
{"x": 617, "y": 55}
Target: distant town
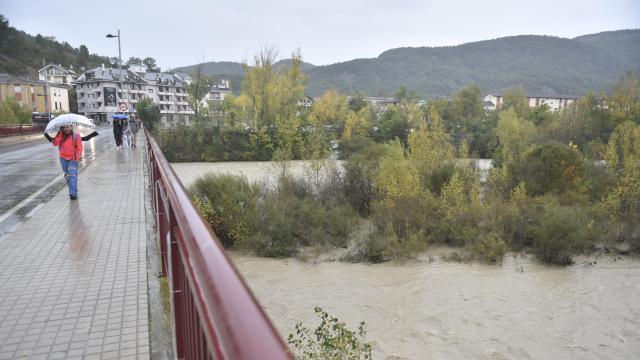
{"x": 103, "y": 91}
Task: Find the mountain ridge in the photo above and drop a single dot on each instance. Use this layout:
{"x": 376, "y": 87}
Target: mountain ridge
{"x": 543, "y": 65}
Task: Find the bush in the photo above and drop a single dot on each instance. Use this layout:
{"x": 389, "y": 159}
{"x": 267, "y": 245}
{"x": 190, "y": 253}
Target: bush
{"x": 331, "y": 340}
{"x": 291, "y": 216}
{"x": 228, "y": 203}
{"x": 367, "y": 244}
{"x": 490, "y": 248}
{"x": 360, "y": 171}
{"x": 623, "y": 207}
{"x": 518, "y": 218}
{"x": 561, "y": 234}
{"x": 354, "y": 145}
{"x": 550, "y": 168}
{"x": 415, "y": 243}
{"x": 277, "y": 226}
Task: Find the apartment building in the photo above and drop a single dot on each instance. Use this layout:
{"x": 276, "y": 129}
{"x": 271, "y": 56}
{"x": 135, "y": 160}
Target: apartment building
{"x": 103, "y": 92}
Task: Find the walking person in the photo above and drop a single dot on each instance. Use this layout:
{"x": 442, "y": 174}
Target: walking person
{"x": 126, "y": 134}
{"x": 135, "y": 126}
{"x": 70, "y": 148}
{"x": 117, "y": 131}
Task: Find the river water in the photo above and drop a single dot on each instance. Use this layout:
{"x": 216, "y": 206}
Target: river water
{"x": 446, "y": 310}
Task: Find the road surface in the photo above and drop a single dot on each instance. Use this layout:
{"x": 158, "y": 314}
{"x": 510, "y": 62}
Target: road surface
{"x": 30, "y": 174}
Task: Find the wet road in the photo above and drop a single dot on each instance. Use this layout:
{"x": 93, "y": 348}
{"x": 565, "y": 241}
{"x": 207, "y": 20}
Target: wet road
{"x": 30, "y": 174}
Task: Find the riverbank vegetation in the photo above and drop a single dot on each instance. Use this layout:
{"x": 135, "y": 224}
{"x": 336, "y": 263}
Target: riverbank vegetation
{"x": 330, "y": 340}
{"x": 562, "y": 182}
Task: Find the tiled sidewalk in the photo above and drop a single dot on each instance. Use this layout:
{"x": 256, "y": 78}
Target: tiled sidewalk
{"x": 73, "y": 278}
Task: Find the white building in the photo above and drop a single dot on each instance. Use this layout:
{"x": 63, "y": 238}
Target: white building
{"x": 57, "y": 74}
{"x": 495, "y": 102}
{"x": 218, "y": 91}
{"x": 100, "y": 94}
{"x": 58, "y": 98}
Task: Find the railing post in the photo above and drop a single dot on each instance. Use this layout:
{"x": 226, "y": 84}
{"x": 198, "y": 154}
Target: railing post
{"x": 176, "y": 276}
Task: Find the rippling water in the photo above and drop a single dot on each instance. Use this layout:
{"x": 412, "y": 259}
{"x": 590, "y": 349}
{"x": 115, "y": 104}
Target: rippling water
{"x": 443, "y": 310}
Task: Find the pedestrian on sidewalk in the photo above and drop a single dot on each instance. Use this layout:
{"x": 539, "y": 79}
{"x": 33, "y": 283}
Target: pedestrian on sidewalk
{"x": 135, "y": 126}
{"x": 117, "y": 132}
{"x": 126, "y": 134}
{"x": 70, "y": 148}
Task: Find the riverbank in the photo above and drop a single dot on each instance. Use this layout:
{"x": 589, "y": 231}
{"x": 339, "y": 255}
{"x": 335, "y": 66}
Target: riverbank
{"x": 447, "y": 310}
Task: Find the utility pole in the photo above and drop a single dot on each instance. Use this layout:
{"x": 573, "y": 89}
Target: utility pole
{"x": 119, "y": 66}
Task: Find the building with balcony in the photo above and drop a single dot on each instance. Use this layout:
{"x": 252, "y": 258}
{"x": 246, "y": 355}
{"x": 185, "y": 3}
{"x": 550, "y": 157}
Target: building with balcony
{"x": 57, "y": 74}
{"x": 101, "y": 95}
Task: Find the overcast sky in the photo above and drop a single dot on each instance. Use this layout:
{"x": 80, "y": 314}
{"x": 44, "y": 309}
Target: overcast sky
{"x": 327, "y": 31}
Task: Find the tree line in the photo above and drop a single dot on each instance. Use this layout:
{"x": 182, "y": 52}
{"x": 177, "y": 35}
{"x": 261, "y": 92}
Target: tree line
{"x": 562, "y": 182}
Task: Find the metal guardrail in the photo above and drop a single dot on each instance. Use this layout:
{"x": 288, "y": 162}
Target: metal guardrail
{"x": 215, "y": 314}
{"x": 11, "y": 130}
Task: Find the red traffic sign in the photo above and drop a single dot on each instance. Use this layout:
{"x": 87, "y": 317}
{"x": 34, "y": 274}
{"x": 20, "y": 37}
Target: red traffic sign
{"x": 123, "y": 106}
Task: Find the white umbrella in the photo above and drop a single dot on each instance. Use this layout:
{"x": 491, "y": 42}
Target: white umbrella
{"x": 82, "y": 125}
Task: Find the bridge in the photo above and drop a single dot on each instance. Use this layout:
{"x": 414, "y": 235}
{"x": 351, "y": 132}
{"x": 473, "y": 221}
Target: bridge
{"x": 128, "y": 271}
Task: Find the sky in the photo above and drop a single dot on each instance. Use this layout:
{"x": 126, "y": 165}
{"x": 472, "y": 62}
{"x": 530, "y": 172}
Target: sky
{"x": 326, "y": 31}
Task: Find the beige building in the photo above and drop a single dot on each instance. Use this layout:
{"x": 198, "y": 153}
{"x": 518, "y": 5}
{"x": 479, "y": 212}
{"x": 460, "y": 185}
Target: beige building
{"x": 31, "y": 93}
{"x": 495, "y": 102}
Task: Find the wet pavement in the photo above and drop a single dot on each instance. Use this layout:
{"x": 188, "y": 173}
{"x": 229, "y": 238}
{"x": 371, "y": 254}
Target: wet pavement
{"x": 74, "y": 273}
{"x": 30, "y": 173}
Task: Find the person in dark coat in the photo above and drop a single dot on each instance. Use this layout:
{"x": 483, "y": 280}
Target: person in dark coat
{"x": 117, "y": 132}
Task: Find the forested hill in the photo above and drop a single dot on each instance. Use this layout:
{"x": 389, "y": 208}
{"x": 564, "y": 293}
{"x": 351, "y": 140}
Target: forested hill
{"x": 543, "y": 65}
{"x": 22, "y": 54}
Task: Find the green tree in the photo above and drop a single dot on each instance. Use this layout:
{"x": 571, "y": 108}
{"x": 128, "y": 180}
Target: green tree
{"x": 551, "y": 168}
{"x": 623, "y": 206}
{"x": 12, "y": 112}
{"x": 430, "y": 148}
{"x": 466, "y": 106}
{"x": 136, "y": 61}
{"x": 516, "y": 99}
{"x": 623, "y": 150}
{"x": 151, "y": 65}
{"x": 331, "y": 109}
{"x": 624, "y": 101}
{"x": 514, "y": 132}
{"x": 149, "y": 113}
{"x": 197, "y": 90}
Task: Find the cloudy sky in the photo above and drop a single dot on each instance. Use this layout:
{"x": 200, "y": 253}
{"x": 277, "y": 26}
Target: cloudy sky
{"x": 327, "y": 31}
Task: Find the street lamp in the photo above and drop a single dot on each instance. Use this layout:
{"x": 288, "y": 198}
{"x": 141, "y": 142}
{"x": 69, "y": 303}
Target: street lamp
{"x": 110, "y": 36}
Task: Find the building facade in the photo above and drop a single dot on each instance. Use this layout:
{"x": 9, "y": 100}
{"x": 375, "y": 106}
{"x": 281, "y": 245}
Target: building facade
{"x": 57, "y": 74}
{"x": 103, "y": 92}
{"x": 39, "y": 96}
{"x": 495, "y": 102}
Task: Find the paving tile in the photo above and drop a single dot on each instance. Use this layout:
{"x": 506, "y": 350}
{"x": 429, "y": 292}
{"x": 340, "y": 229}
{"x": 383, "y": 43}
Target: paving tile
{"x": 75, "y": 272}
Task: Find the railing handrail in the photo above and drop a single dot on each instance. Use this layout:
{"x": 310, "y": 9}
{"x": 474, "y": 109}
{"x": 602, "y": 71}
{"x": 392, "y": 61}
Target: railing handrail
{"x": 20, "y": 129}
{"x": 237, "y": 326}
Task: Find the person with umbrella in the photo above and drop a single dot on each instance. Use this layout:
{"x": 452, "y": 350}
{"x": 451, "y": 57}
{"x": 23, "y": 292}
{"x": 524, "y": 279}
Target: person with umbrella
{"x": 60, "y": 133}
{"x": 118, "y": 122}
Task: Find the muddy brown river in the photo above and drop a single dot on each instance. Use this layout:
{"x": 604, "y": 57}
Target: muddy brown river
{"x": 447, "y": 310}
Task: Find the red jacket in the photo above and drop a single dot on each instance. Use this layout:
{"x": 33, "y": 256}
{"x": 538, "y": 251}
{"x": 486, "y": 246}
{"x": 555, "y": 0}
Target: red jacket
{"x": 70, "y": 146}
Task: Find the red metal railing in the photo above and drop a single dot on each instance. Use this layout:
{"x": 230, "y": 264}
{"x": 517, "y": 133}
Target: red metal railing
{"x": 215, "y": 314}
{"x": 10, "y": 130}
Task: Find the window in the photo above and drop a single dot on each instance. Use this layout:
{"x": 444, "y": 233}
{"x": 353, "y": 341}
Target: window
{"x": 150, "y": 91}
{"x": 17, "y": 89}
